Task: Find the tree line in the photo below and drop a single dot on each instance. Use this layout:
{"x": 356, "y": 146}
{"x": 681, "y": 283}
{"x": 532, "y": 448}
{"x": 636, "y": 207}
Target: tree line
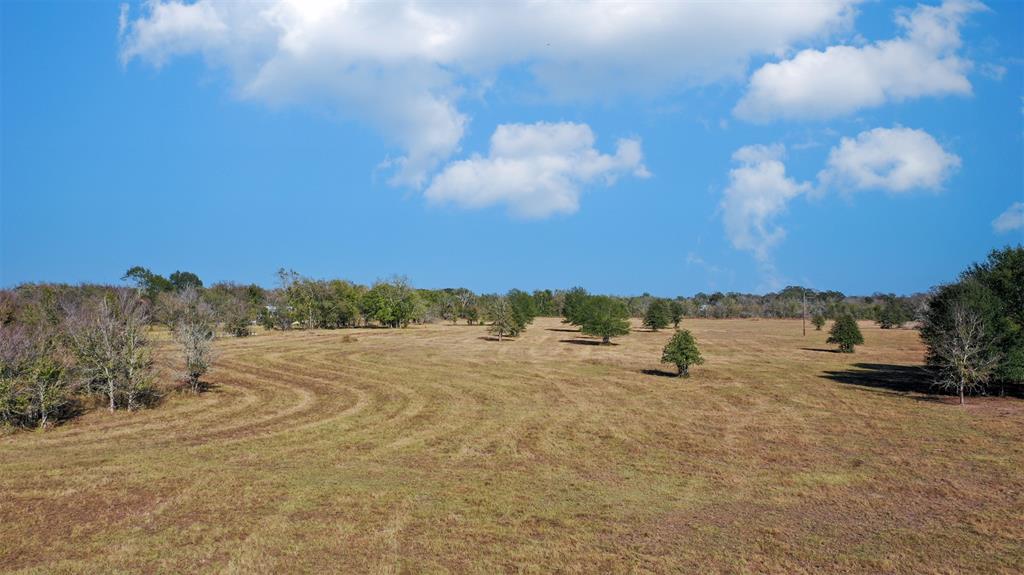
{"x": 298, "y": 301}
{"x": 62, "y": 346}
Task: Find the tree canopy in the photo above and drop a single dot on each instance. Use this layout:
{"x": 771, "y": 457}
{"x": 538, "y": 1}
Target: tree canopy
{"x": 657, "y": 315}
{"x": 845, "y": 333}
{"x": 682, "y": 351}
{"x": 604, "y": 317}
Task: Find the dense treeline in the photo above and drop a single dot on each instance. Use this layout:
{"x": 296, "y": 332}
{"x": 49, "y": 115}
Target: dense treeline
{"x": 974, "y": 327}
{"x": 303, "y": 302}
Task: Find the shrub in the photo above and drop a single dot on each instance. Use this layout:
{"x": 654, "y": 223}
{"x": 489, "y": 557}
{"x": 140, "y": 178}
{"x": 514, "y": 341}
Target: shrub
{"x": 107, "y": 335}
{"x": 682, "y": 351}
{"x": 845, "y": 334}
{"x": 35, "y": 387}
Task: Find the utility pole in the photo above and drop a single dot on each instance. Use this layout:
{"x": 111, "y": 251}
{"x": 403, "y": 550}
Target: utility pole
{"x": 804, "y": 319}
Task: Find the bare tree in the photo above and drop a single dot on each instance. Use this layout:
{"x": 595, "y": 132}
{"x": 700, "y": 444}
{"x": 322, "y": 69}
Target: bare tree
{"x": 194, "y": 332}
{"x": 107, "y": 334}
{"x": 963, "y": 353}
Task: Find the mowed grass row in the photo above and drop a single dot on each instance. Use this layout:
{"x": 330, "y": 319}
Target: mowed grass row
{"x": 433, "y": 449}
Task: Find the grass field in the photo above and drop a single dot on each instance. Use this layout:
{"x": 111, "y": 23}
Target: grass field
{"x": 432, "y": 449}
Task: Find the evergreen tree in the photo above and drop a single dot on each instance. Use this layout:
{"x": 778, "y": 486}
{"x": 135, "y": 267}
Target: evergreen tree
{"x": 657, "y": 315}
{"x": 682, "y": 351}
{"x": 845, "y": 333}
{"x": 604, "y": 317}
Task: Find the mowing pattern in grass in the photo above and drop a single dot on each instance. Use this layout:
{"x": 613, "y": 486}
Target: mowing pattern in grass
{"x": 432, "y": 449}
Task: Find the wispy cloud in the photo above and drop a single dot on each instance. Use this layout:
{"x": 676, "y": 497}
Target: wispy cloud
{"x": 1010, "y": 220}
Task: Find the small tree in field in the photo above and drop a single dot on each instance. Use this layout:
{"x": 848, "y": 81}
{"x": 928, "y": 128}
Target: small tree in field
{"x": 845, "y": 333}
{"x": 657, "y": 315}
{"x": 604, "y": 317}
{"x": 503, "y": 318}
{"x": 818, "y": 321}
{"x": 682, "y": 351}
{"x": 675, "y": 312}
{"x": 194, "y": 332}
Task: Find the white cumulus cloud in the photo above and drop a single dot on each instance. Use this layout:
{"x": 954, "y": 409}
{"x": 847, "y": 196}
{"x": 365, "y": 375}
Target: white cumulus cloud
{"x": 759, "y": 190}
{"x": 536, "y": 170}
{"x": 892, "y": 159}
{"x": 819, "y": 84}
{"x": 403, "y": 66}
{"x": 1010, "y": 220}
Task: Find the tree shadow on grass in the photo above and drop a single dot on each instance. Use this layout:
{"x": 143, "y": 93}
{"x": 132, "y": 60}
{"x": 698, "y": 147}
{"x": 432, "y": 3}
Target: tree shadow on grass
{"x": 820, "y": 349}
{"x": 587, "y": 342}
{"x": 495, "y": 338}
{"x": 209, "y": 387}
{"x": 898, "y": 379}
{"x": 565, "y": 329}
{"x": 906, "y": 380}
{"x": 659, "y": 373}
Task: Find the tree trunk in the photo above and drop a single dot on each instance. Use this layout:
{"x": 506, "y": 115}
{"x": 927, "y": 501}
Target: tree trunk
{"x": 606, "y": 340}
{"x": 961, "y": 395}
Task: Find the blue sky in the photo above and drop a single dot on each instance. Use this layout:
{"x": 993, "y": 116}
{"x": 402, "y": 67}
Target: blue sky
{"x": 854, "y": 146}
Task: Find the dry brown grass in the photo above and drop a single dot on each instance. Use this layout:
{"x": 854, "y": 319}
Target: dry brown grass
{"x": 431, "y": 449}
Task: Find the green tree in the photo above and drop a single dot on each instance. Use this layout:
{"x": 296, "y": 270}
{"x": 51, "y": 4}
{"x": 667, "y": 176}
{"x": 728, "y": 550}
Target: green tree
{"x": 181, "y": 280}
{"x": 604, "y": 317}
{"x": 572, "y": 305}
{"x": 1003, "y": 275}
{"x": 544, "y": 303}
{"x": 149, "y": 283}
{"x": 502, "y": 317}
{"x": 682, "y": 351}
{"x": 676, "y": 311}
{"x": 392, "y": 303}
{"x": 523, "y": 309}
{"x": 845, "y": 334}
{"x": 818, "y": 321}
{"x": 657, "y": 315}
{"x": 892, "y": 313}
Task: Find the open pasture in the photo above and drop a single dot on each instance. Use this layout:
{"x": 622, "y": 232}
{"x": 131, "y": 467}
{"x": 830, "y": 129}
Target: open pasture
{"x": 435, "y": 449}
